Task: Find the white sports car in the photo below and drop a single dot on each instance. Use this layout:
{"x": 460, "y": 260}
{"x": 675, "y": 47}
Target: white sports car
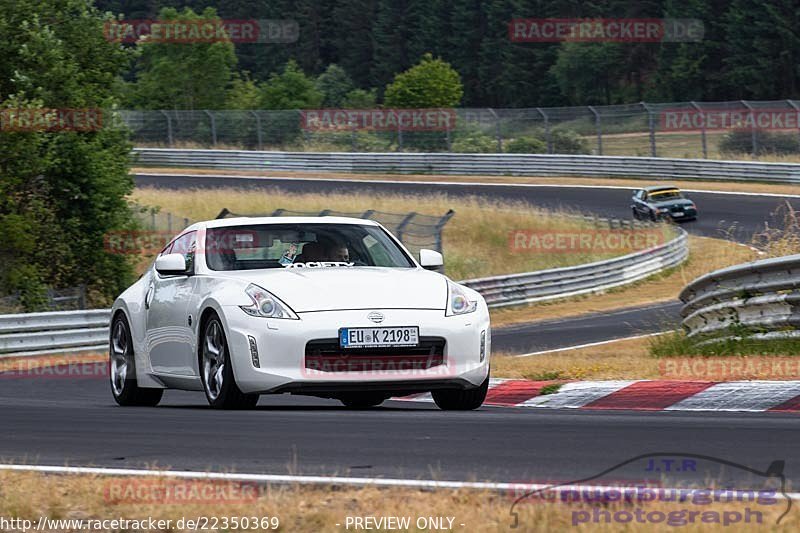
{"x": 329, "y": 307}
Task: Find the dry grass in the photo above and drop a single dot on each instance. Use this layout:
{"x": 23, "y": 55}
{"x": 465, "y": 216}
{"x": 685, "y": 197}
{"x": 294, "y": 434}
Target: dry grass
{"x": 313, "y": 509}
{"x": 706, "y": 255}
{"x": 723, "y": 186}
{"x": 476, "y": 240}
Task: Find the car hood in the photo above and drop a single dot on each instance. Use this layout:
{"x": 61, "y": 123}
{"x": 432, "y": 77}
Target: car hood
{"x": 338, "y": 288}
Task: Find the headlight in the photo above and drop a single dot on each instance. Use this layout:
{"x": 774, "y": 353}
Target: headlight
{"x": 266, "y": 304}
{"x": 458, "y": 303}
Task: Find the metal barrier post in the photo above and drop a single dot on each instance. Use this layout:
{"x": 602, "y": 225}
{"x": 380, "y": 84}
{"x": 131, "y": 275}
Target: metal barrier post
{"x": 652, "y": 123}
{"x": 753, "y": 133}
{"x": 213, "y": 122}
{"x": 702, "y": 129}
{"x": 170, "y": 139}
{"x": 599, "y": 130}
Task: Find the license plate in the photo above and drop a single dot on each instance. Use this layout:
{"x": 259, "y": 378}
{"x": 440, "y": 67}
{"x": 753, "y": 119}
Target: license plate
{"x": 677, "y": 213}
{"x": 378, "y": 337}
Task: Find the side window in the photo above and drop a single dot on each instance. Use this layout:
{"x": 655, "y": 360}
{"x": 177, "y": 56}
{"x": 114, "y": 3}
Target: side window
{"x": 640, "y": 195}
{"x": 186, "y": 244}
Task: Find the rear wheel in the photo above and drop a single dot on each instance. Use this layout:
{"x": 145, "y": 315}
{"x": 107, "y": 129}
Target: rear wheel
{"x": 635, "y": 214}
{"x": 216, "y": 370}
{"x": 362, "y": 400}
{"x": 461, "y": 400}
{"x": 122, "y": 369}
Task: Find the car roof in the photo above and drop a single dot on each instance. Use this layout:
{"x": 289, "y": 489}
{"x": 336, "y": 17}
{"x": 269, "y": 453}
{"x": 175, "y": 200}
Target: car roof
{"x": 654, "y": 188}
{"x": 248, "y": 221}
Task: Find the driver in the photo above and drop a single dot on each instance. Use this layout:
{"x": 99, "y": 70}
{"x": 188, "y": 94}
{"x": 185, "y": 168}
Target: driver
{"x": 338, "y": 252}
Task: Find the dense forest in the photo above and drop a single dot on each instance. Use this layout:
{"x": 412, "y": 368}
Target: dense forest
{"x": 750, "y": 50}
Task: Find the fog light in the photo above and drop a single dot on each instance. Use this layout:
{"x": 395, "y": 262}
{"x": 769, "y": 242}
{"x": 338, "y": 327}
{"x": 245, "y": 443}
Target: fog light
{"x": 253, "y": 351}
{"x": 483, "y": 345}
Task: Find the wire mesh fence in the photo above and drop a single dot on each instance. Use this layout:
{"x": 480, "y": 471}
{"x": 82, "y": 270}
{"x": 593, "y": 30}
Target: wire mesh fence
{"x": 67, "y": 299}
{"x": 683, "y": 129}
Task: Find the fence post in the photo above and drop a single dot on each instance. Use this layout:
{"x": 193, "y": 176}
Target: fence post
{"x": 652, "y": 124}
{"x": 794, "y": 106}
{"x": 213, "y": 126}
{"x": 498, "y": 134}
{"x": 753, "y": 134}
{"x": 402, "y": 226}
{"x": 259, "y": 135}
{"x": 599, "y": 130}
{"x": 368, "y": 213}
{"x": 170, "y": 139}
{"x": 399, "y": 137}
{"x": 440, "y": 226}
{"x": 702, "y": 129}
{"x": 547, "y": 138}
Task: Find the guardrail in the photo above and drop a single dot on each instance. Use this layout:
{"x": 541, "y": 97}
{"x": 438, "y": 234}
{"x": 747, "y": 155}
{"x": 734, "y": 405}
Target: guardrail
{"x": 759, "y": 299}
{"x": 515, "y": 289}
{"x": 652, "y": 168}
{"x": 41, "y": 333}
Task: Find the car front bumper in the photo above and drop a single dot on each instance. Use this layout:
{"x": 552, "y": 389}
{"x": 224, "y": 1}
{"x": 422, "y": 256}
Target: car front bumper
{"x": 281, "y": 349}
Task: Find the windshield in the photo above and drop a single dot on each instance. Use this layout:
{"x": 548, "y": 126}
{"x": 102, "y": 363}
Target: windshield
{"x": 302, "y": 246}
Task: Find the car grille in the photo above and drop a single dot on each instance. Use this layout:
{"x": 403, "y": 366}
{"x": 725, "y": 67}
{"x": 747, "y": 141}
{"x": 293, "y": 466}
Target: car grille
{"x": 325, "y": 355}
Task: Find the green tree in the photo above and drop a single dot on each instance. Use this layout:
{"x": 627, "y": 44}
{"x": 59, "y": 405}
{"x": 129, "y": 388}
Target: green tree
{"x": 335, "y": 85}
{"x": 61, "y": 192}
{"x": 183, "y": 75}
{"x": 244, "y": 93}
{"x": 431, "y": 83}
{"x": 291, "y": 89}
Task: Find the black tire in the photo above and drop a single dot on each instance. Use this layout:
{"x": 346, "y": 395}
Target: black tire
{"x": 363, "y": 400}
{"x": 461, "y": 400}
{"x": 653, "y": 216}
{"x": 122, "y": 369}
{"x": 635, "y": 214}
{"x": 227, "y": 395}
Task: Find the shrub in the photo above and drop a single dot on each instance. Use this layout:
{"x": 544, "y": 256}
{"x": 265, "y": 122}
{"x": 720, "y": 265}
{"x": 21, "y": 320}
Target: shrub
{"x": 474, "y": 142}
{"x": 526, "y": 145}
{"x": 741, "y": 142}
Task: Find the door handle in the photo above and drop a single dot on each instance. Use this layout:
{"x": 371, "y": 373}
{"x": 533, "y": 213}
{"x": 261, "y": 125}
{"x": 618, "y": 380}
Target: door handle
{"x": 149, "y": 297}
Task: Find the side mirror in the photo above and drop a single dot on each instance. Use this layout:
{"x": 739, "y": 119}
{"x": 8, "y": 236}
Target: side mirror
{"x": 430, "y": 259}
{"x": 171, "y": 265}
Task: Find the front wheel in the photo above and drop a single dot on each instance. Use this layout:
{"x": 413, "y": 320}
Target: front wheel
{"x": 216, "y": 370}
{"x": 461, "y": 400}
{"x": 122, "y": 369}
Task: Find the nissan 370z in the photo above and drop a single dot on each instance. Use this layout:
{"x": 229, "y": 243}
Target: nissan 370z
{"x": 329, "y": 307}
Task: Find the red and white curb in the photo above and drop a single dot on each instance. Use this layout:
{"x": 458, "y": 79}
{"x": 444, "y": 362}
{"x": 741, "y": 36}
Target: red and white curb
{"x": 644, "y": 395}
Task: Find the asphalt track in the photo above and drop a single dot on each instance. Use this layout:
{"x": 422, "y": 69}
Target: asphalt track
{"x": 735, "y": 216}
{"x": 75, "y": 422}
{"x": 586, "y": 329}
